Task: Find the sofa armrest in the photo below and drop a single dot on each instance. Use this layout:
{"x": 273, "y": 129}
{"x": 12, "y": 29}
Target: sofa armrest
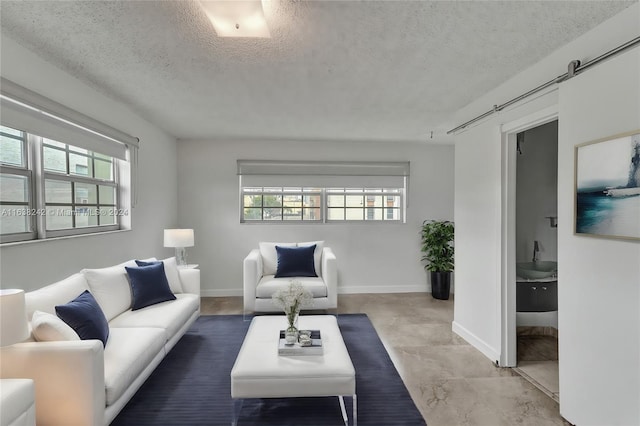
{"x": 330, "y": 275}
{"x": 251, "y": 275}
{"x": 68, "y": 377}
{"x": 190, "y": 279}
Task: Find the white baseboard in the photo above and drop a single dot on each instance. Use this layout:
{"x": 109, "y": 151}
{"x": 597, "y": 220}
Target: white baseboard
{"x": 226, "y": 292}
{"x": 476, "y": 342}
{"x": 357, "y": 289}
{"x": 223, "y": 292}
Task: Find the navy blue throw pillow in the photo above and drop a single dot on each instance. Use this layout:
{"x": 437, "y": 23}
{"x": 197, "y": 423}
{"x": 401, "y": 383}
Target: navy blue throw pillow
{"x": 145, "y": 263}
{"x": 295, "y": 262}
{"x": 149, "y": 285}
{"x": 84, "y": 315}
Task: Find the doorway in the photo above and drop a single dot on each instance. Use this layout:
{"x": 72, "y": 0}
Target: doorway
{"x": 537, "y": 256}
{"x": 529, "y": 249}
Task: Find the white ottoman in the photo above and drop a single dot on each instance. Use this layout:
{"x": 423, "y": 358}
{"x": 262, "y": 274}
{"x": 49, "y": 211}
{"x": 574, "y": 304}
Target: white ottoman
{"x": 259, "y": 372}
{"x": 17, "y": 406}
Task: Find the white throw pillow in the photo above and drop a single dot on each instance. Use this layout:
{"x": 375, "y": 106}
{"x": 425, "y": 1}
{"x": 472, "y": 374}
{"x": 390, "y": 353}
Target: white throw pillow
{"x": 173, "y": 276}
{"x": 111, "y": 289}
{"x": 317, "y": 254}
{"x": 49, "y": 328}
{"x": 270, "y": 256}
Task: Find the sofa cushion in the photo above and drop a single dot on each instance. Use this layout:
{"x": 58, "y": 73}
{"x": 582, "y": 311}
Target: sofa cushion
{"x": 110, "y": 287}
{"x": 47, "y": 327}
{"x": 84, "y": 315}
{"x": 170, "y": 270}
{"x": 317, "y": 254}
{"x": 46, "y": 298}
{"x": 170, "y": 316}
{"x": 128, "y": 352}
{"x": 269, "y": 285}
{"x": 270, "y": 256}
{"x": 295, "y": 262}
{"x": 149, "y": 285}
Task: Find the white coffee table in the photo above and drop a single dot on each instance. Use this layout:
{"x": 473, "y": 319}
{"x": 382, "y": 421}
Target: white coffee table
{"x": 259, "y": 372}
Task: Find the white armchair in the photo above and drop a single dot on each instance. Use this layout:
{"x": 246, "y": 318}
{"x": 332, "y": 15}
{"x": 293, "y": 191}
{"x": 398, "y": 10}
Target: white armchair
{"x": 260, "y": 284}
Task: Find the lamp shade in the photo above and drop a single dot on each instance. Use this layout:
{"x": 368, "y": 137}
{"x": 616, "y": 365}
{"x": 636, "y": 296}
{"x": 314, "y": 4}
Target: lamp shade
{"x": 178, "y": 238}
{"x": 13, "y": 317}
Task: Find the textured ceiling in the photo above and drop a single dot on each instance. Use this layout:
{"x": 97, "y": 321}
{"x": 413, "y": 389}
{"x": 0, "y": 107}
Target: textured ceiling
{"x": 332, "y": 70}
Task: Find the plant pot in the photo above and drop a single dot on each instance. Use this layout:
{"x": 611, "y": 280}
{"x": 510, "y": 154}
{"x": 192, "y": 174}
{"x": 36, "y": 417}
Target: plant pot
{"x": 440, "y": 285}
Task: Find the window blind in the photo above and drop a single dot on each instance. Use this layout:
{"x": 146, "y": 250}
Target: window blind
{"x": 26, "y": 110}
{"x": 324, "y": 174}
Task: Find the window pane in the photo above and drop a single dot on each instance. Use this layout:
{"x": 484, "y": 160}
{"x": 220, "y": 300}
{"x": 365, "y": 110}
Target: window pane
{"x": 311, "y": 214}
{"x": 59, "y": 217}
{"x": 86, "y": 216}
{"x": 374, "y": 201}
{"x": 273, "y": 200}
{"x": 54, "y": 143}
{"x": 14, "y": 219}
{"x": 272, "y": 214}
{"x": 273, "y": 190}
{"x": 252, "y": 200}
{"x": 56, "y": 191}
{"x": 374, "y": 214}
{"x": 55, "y": 160}
{"x": 252, "y": 214}
{"x": 292, "y": 201}
{"x": 76, "y": 149}
{"x": 86, "y": 193}
{"x": 392, "y": 214}
{"x": 11, "y": 131}
{"x": 107, "y": 195}
{"x": 312, "y": 201}
{"x": 289, "y": 189}
{"x": 107, "y": 216}
{"x": 292, "y": 214}
{"x": 80, "y": 165}
{"x": 335, "y": 214}
{"x": 335, "y": 200}
{"x": 14, "y": 188}
{"x": 104, "y": 169}
{"x": 11, "y": 152}
{"x": 355, "y": 214}
{"x": 354, "y": 201}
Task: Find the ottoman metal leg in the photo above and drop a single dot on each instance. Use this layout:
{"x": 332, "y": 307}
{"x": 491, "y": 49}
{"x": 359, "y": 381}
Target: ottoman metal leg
{"x": 354, "y": 412}
{"x": 236, "y": 407}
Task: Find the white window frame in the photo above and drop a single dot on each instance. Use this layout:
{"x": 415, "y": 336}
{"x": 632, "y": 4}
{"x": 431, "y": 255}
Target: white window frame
{"x": 33, "y": 152}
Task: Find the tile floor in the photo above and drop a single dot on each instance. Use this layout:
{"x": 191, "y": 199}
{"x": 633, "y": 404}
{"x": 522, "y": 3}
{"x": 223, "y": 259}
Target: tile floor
{"x": 538, "y": 362}
{"x": 451, "y": 382}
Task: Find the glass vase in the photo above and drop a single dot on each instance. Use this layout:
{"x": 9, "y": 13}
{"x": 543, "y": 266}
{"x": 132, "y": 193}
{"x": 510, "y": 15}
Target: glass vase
{"x": 291, "y": 333}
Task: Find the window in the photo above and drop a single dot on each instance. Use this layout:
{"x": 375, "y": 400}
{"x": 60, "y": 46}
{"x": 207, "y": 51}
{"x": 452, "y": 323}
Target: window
{"x": 78, "y": 189}
{"x": 364, "y": 204}
{"x": 322, "y": 192}
{"x": 16, "y": 195}
{"x": 281, "y": 204}
{"x": 61, "y": 172}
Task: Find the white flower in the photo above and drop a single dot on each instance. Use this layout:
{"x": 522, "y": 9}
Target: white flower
{"x": 292, "y": 299}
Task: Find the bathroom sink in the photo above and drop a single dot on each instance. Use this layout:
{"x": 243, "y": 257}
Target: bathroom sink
{"x": 536, "y": 270}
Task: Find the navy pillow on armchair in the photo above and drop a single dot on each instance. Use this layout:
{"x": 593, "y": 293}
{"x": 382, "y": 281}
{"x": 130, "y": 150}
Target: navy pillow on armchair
{"x": 296, "y": 262}
{"x": 149, "y": 285}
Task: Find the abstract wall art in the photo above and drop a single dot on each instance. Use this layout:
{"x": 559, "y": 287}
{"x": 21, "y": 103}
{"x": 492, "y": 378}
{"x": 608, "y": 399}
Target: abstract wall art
{"x": 607, "y": 196}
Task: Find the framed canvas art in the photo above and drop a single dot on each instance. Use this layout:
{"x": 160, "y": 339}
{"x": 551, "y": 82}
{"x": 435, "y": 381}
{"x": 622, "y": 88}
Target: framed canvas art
{"x": 607, "y": 181}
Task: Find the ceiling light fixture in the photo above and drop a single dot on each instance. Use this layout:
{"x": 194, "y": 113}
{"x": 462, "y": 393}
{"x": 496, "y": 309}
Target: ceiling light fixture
{"x": 237, "y": 18}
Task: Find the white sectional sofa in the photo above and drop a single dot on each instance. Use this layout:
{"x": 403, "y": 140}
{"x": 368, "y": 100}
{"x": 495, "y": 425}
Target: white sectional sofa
{"x": 82, "y": 382}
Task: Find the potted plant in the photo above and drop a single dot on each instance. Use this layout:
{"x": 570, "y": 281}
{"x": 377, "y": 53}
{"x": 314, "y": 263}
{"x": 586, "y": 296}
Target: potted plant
{"x": 437, "y": 246}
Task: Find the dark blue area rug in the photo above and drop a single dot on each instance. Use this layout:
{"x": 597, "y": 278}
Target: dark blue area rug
{"x": 191, "y": 386}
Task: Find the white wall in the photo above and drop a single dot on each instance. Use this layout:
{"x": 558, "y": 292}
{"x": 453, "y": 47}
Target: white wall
{"x": 607, "y": 339}
{"x": 537, "y": 193}
{"x": 372, "y": 257}
{"x": 599, "y": 295}
{"x": 32, "y": 265}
